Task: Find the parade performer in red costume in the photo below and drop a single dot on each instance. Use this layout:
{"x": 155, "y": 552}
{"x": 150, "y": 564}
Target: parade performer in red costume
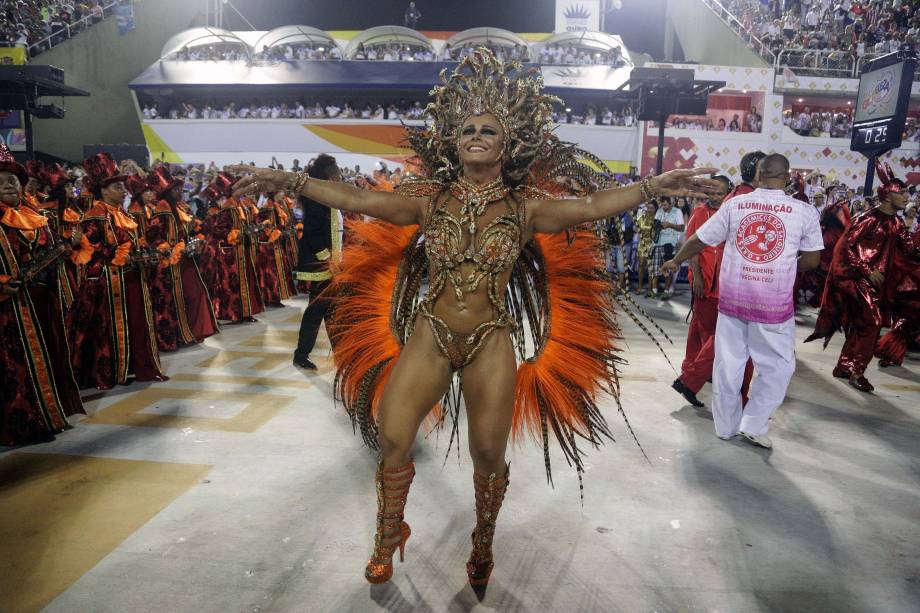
{"x": 164, "y": 234}
{"x": 284, "y": 205}
{"x": 38, "y": 391}
{"x": 274, "y": 276}
{"x": 143, "y": 202}
{"x": 494, "y": 247}
{"x": 181, "y": 304}
{"x": 64, "y": 217}
{"x": 700, "y": 355}
{"x": 835, "y": 219}
{"x": 111, "y": 323}
{"x": 904, "y": 302}
{"x": 229, "y": 268}
{"x": 861, "y": 280}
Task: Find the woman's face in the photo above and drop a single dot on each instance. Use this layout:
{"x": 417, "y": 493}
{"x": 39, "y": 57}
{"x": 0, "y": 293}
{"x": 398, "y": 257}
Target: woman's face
{"x": 481, "y": 140}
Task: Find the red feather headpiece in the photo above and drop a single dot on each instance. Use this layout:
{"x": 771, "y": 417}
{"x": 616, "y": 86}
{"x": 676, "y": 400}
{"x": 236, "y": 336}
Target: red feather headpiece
{"x": 101, "y": 170}
{"x": 9, "y": 164}
{"x": 161, "y": 181}
{"x": 890, "y": 183}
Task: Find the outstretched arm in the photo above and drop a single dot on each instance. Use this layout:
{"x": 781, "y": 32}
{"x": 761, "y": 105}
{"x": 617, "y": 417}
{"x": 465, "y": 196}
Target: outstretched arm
{"x": 394, "y": 208}
{"x": 549, "y": 216}
{"x": 690, "y": 248}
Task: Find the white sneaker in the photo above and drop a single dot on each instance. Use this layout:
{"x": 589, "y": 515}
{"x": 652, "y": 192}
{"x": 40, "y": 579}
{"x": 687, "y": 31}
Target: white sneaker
{"x": 727, "y": 438}
{"x": 760, "y": 441}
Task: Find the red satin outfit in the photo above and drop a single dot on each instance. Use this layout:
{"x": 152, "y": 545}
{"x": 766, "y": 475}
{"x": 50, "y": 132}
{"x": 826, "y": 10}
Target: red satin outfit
{"x": 851, "y": 302}
{"x": 904, "y": 300}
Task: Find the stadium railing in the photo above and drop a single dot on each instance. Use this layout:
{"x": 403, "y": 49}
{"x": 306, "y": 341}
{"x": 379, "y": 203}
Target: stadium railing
{"x": 739, "y": 28}
{"x": 56, "y": 38}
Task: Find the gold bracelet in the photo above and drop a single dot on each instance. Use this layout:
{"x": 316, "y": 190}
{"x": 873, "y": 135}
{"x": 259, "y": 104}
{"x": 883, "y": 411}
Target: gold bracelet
{"x": 299, "y": 182}
{"x": 645, "y": 188}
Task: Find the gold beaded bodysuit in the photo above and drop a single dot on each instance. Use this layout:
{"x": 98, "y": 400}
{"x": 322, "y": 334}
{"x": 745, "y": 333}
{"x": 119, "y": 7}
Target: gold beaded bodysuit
{"x": 492, "y": 250}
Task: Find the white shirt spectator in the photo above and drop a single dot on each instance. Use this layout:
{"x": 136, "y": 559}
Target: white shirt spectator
{"x": 333, "y": 111}
{"x": 669, "y": 235}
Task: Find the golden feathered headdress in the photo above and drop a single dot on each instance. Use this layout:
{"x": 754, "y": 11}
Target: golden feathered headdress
{"x": 483, "y": 84}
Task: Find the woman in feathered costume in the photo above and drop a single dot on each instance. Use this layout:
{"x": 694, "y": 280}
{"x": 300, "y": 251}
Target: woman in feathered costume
{"x": 518, "y": 316}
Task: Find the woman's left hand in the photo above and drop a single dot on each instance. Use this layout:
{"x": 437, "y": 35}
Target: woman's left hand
{"x": 686, "y": 183}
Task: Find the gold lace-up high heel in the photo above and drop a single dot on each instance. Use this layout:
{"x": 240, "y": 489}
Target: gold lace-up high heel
{"x": 392, "y": 532}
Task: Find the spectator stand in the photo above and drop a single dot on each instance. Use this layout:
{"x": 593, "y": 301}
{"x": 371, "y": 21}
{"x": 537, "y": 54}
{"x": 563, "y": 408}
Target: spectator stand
{"x": 296, "y": 42}
{"x": 741, "y": 29}
{"x": 206, "y": 43}
{"x": 392, "y": 43}
{"x": 64, "y": 20}
{"x": 582, "y": 48}
{"x": 504, "y": 44}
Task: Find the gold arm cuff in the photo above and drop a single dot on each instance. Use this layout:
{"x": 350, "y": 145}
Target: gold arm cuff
{"x": 323, "y": 255}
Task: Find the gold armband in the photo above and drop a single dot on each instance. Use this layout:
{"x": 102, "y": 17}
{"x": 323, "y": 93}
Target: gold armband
{"x": 323, "y": 255}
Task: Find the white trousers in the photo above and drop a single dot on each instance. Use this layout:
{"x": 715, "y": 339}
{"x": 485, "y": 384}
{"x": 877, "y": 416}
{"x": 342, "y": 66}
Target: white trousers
{"x": 772, "y": 349}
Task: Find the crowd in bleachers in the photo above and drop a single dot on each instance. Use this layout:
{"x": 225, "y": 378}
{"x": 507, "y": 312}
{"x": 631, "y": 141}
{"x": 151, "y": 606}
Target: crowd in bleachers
{"x": 38, "y": 25}
{"x": 605, "y": 115}
{"x": 571, "y": 55}
{"x": 844, "y": 30}
{"x": 552, "y": 54}
{"x": 835, "y": 123}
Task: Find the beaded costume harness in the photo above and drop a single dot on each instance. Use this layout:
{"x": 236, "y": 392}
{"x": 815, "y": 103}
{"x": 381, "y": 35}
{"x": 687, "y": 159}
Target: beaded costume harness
{"x": 492, "y": 250}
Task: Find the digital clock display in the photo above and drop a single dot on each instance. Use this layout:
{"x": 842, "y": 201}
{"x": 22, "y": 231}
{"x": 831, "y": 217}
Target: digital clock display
{"x": 877, "y": 135}
{"x": 885, "y": 135}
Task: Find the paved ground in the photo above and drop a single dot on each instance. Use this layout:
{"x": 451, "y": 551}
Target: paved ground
{"x": 237, "y": 486}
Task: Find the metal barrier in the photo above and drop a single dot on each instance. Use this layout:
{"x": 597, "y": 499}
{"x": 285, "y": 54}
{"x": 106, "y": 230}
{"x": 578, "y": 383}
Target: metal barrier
{"x": 57, "y": 37}
{"x": 817, "y": 63}
{"x": 739, "y": 28}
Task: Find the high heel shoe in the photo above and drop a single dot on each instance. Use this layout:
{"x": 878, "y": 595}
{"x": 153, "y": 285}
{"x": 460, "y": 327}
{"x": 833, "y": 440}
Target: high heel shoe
{"x": 490, "y": 493}
{"x": 392, "y": 490}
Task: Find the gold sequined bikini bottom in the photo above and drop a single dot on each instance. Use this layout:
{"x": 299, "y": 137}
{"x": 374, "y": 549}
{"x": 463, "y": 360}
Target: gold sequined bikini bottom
{"x": 460, "y": 349}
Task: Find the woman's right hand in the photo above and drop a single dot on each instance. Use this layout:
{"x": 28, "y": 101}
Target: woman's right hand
{"x": 260, "y": 180}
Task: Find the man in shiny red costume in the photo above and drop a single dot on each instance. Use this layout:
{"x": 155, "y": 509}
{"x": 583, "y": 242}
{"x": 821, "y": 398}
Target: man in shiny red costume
{"x": 904, "y": 300}
{"x": 861, "y": 278}
{"x": 700, "y": 354}
{"x": 230, "y": 260}
{"x": 111, "y": 322}
{"x": 38, "y": 391}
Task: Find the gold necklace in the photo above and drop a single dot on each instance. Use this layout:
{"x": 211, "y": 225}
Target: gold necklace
{"x": 474, "y": 198}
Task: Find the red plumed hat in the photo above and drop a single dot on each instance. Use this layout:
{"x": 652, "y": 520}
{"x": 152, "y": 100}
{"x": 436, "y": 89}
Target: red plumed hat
{"x": 55, "y": 176}
{"x": 161, "y": 181}
{"x": 9, "y": 164}
{"x": 799, "y": 184}
{"x": 222, "y": 186}
{"x": 35, "y": 169}
{"x": 101, "y": 170}
{"x": 137, "y": 185}
{"x": 889, "y": 183}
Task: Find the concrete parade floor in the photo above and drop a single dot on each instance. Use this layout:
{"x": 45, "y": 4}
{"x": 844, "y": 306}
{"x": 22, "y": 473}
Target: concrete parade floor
{"x": 238, "y": 487}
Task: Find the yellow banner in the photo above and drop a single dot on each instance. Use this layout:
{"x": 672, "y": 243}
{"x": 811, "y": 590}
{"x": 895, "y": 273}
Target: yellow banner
{"x": 12, "y": 55}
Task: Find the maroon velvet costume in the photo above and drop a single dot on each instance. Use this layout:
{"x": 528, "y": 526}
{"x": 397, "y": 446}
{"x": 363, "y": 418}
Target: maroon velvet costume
{"x": 229, "y": 268}
{"x": 38, "y": 390}
{"x": 111, "y": 323}
{"x": 850, "y": 301}
{"x": 166, "y": 295}
{"x": 275, "y": 279}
